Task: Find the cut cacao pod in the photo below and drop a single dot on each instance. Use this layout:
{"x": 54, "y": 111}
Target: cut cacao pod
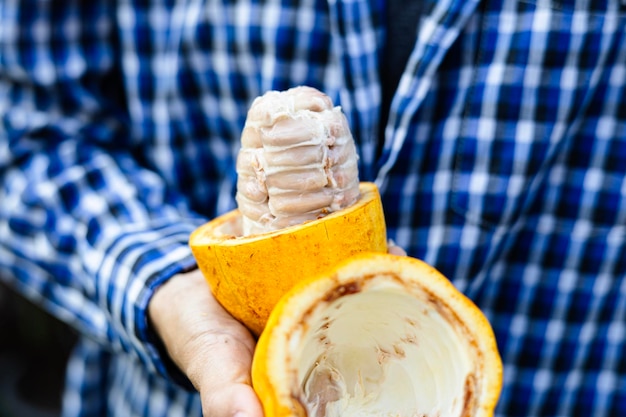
{"x": 379, "y": 335}
{"x": 249, "y": 274}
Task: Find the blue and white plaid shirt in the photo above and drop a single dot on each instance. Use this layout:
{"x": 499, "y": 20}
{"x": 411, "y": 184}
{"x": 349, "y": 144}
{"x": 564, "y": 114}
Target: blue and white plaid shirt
{"x": 503, "y": 164}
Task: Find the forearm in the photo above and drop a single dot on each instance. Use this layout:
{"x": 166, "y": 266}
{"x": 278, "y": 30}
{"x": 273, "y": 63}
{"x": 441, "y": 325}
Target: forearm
{"x": 85, "y": 229}
{"x": 90, "y": 251}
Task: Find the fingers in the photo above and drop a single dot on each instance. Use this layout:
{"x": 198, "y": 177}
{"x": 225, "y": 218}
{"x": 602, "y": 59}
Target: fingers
{"x": 394, "y": 249}
{"x": 212, "y": 348}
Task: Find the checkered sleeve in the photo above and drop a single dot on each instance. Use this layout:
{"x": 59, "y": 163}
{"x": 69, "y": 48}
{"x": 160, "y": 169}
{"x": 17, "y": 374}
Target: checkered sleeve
{"x": 85, "y": 230}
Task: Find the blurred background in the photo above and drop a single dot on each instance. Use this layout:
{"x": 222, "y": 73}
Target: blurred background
{"x": 34, "y": 348}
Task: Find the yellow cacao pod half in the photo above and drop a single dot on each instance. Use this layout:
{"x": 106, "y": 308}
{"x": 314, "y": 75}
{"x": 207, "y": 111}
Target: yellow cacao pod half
{"x": 249, "y": 274}
{"x": 379, "y": 335}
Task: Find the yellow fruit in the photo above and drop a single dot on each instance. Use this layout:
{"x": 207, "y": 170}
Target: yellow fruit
{"x": 379, "y": 335}
{"x": 249, "y": 274}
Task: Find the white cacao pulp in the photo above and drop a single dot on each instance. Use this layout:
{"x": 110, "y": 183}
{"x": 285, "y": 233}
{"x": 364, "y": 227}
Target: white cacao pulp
{"x": 297, "y": 162}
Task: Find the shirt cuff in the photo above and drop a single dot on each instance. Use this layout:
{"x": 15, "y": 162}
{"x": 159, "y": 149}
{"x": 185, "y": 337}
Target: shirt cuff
{"x": 136, "y": 263}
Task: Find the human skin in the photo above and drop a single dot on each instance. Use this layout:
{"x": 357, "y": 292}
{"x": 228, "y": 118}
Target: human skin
{"x": 207, "y": 344}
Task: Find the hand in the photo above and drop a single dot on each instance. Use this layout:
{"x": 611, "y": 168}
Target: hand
{"x": 207, "y": 344}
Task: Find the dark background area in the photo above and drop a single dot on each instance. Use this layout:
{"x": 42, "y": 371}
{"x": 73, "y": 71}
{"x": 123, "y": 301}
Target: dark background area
{"x": 34, "y": 348}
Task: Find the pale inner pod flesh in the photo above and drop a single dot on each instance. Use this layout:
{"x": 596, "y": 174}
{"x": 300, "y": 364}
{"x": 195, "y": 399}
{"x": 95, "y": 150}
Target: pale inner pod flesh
{"x": 297, "y": 161}
{"x": 380, "y": 351}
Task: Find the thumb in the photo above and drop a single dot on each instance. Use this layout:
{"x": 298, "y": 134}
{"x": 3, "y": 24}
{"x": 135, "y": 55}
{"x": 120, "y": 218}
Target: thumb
{"x": 234, "y": 400}
{"x": 220, "y": 370}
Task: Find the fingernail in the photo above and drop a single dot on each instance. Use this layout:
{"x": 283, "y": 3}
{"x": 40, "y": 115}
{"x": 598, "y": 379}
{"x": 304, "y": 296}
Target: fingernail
{"x": 240, "y": 414}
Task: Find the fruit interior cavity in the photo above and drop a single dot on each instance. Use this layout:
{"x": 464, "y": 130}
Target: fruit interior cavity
{"x": 384, "y": 352}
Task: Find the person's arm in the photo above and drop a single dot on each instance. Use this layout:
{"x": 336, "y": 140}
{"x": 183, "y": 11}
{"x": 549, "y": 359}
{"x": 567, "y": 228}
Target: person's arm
{"x": 86, "y": 231}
